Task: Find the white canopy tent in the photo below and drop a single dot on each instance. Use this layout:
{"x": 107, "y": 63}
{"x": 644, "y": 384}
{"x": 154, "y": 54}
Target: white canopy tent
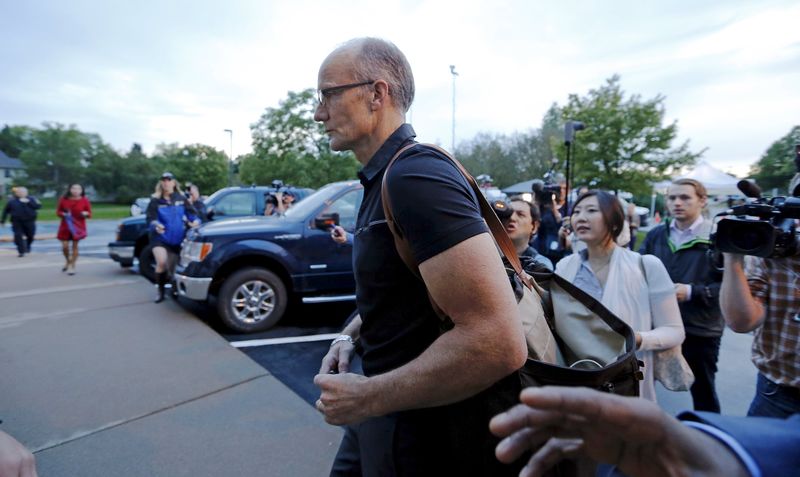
{"x": 716, "y": 181}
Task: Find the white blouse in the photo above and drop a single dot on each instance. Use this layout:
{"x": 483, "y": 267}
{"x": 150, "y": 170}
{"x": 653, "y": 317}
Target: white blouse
{"x": 639, "y": 291}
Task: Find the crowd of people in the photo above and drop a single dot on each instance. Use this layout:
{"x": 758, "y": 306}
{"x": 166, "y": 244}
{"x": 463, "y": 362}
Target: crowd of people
{"x": 424, "y": 402}
{"x": 439, "y": 330}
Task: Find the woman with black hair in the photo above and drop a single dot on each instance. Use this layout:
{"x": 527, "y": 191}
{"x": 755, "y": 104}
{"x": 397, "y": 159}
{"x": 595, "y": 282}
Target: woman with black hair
{"x": 73, "y": 208}
{"x": 636, "y": 288}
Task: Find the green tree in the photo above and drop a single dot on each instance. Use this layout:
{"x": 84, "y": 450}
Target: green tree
{"x": 57, "y": 155}
{"x": 196, "y": 163}
{"x": 776, "y": 166}
{"x": 625, "y": 146}
{"x": 541, "y": 147}
{"x": 488, "y": 153}
{"x": 15, "y": 139}
{"x": 516, "y": 157}
{"x": 289, "y": 145}
{"x": 123, "y": 177}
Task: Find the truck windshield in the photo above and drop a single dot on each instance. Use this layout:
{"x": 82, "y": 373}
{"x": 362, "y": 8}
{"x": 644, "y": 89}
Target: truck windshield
{"x": 313, "y": 201}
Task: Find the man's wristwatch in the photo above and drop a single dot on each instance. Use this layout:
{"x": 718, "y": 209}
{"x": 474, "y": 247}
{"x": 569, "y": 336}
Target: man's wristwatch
{"x": 339, "y": 338}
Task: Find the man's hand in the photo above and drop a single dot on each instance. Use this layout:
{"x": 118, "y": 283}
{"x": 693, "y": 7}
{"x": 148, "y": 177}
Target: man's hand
{"x": 633, "y": 434}
{"x": 344, "y": 398}
{"x": 338, "y": 358}
{"x": 682, "y": 292}
{"x": 15, "y": 459}
{"x": 159, "y": 228}
{"x": 85, "y": 213}
{"x": 338, "y": 234}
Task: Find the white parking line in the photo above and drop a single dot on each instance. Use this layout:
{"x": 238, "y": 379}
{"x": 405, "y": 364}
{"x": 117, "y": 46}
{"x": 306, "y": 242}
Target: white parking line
{"x": 289, "y": 339}
{"x": 84, "y": 286}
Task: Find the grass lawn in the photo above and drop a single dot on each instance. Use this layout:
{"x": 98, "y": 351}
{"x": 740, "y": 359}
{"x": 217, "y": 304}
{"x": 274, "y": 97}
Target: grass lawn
{"x": 99, "y": 210}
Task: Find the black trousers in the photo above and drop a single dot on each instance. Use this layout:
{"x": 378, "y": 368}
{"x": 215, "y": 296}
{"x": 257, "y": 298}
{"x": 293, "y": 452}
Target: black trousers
{"x": 24, "y": 230}
{"x": 435, "y": 442}
{"x": 702, "y": 352}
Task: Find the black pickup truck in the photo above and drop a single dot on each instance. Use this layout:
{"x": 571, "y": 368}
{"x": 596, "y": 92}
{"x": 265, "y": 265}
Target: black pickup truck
{"x": 255, "y": 265}
{"x": 231, "y": 202}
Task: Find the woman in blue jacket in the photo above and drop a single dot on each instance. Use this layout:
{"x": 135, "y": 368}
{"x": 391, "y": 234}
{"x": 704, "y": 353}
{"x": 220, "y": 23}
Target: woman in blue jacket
{"x": 168, "y": 215}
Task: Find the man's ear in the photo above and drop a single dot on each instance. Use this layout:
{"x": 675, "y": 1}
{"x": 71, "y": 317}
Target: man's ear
{"x": 380, "y": 95}
{"x": 534, "y": 230}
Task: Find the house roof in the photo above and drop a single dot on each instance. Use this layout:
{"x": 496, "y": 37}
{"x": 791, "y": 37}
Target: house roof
{"x": 9, "y": 162}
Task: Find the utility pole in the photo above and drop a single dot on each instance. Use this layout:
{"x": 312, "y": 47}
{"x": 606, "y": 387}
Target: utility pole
{"x": 230, "y": 165}
{"x": 453, "y": 143}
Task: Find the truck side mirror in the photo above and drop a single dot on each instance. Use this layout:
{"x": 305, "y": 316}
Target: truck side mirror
{"x": 210, "y": 212}
{"x": 326, "y": 221}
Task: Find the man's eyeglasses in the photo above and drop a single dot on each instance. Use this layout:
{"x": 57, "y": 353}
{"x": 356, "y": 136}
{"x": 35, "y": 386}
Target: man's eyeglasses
{"x": 324, "y": 94}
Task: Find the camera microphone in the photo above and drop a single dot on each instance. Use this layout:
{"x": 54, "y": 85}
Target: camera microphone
{"x": 570, "y": 128}
{"x": 749, "y": 189}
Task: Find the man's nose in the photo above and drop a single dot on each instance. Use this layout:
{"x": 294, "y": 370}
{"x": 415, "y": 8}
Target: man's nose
{"x": 320, "y": 113}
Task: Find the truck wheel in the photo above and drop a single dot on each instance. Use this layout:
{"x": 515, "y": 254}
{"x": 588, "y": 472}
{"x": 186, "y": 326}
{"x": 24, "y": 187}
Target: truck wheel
{"x": 147, "y": 264}
{"x": 252, "y": 299}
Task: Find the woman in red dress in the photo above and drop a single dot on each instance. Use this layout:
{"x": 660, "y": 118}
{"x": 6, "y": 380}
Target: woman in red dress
{"x": 73, "y": 208}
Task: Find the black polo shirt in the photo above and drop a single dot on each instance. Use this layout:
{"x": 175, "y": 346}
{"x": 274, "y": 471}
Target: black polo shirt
{"x": 436, "y": 209}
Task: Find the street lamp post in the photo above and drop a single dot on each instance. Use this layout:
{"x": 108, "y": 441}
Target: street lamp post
{"x": 230, "y": 165}
{"x": 453, "y": 144}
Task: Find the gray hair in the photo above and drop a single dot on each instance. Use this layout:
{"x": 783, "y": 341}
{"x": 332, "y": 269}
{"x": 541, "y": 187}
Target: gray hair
{"x": 380, "y": 59}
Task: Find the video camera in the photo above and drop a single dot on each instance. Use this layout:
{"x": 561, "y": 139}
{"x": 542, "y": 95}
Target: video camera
{"x": 278, "y": 186}
{"x": 546, "y": 190}
{"x": 764, "y": 227}
{"x": 503, "y": 209}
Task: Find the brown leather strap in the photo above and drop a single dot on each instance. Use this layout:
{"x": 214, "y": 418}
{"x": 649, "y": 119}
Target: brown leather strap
{"x": 498, "y": 231}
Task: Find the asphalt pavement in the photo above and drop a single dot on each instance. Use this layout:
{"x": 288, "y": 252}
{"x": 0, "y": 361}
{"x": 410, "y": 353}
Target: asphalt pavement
{"x": 103, "y": 382}
{"x": 100, "y": 233}
{"x": 99, "y": 381}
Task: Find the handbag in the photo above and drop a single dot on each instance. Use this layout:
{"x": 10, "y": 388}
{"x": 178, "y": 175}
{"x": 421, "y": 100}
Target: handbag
{"x": 669, "y": 366}
{"x": 77, "y": 233}
{"x": 573, "y": 340}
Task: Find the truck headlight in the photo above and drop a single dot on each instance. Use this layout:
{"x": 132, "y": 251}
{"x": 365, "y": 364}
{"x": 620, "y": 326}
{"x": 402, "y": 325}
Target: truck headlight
{"x": 195, "y": 252}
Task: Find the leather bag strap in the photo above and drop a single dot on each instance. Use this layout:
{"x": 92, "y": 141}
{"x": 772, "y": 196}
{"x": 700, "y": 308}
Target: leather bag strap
{"x": 495, "y": 226}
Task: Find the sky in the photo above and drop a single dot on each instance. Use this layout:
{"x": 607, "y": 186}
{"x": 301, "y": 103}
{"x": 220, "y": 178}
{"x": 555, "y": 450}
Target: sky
{"x": 153, "y": 72}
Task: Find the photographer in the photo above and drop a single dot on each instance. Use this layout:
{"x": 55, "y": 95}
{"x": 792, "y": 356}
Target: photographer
{"x": 197, "y": 202}
{"x": 546, "y": 241}
{"x": 761, "y": 294}
{"x": 521, "y": 227}
{"x": 277, "y": 203}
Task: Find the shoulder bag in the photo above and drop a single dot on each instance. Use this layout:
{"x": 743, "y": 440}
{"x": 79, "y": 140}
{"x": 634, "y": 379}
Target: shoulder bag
{"x": 573, "y": 340}
{"x": 669, "y": 366}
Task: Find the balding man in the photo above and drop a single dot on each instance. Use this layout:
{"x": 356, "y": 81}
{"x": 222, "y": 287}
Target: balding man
{"x": 424, "y": 404}
{"x": 22, "y": 210}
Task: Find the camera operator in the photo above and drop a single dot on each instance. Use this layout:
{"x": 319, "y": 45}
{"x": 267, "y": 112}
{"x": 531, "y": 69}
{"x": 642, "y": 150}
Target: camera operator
{"x": 277, "y": 203}
{"x": 763, "y": 294}
{"x": 521, "y": 227}
{"x": 546, "y": 241}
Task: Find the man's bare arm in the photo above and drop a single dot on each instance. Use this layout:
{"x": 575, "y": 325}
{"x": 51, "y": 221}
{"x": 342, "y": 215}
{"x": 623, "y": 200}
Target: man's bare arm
{"x": 469, "y": 283}
{"x": 741, "y": 311}
{"x": 339, "y": 355}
